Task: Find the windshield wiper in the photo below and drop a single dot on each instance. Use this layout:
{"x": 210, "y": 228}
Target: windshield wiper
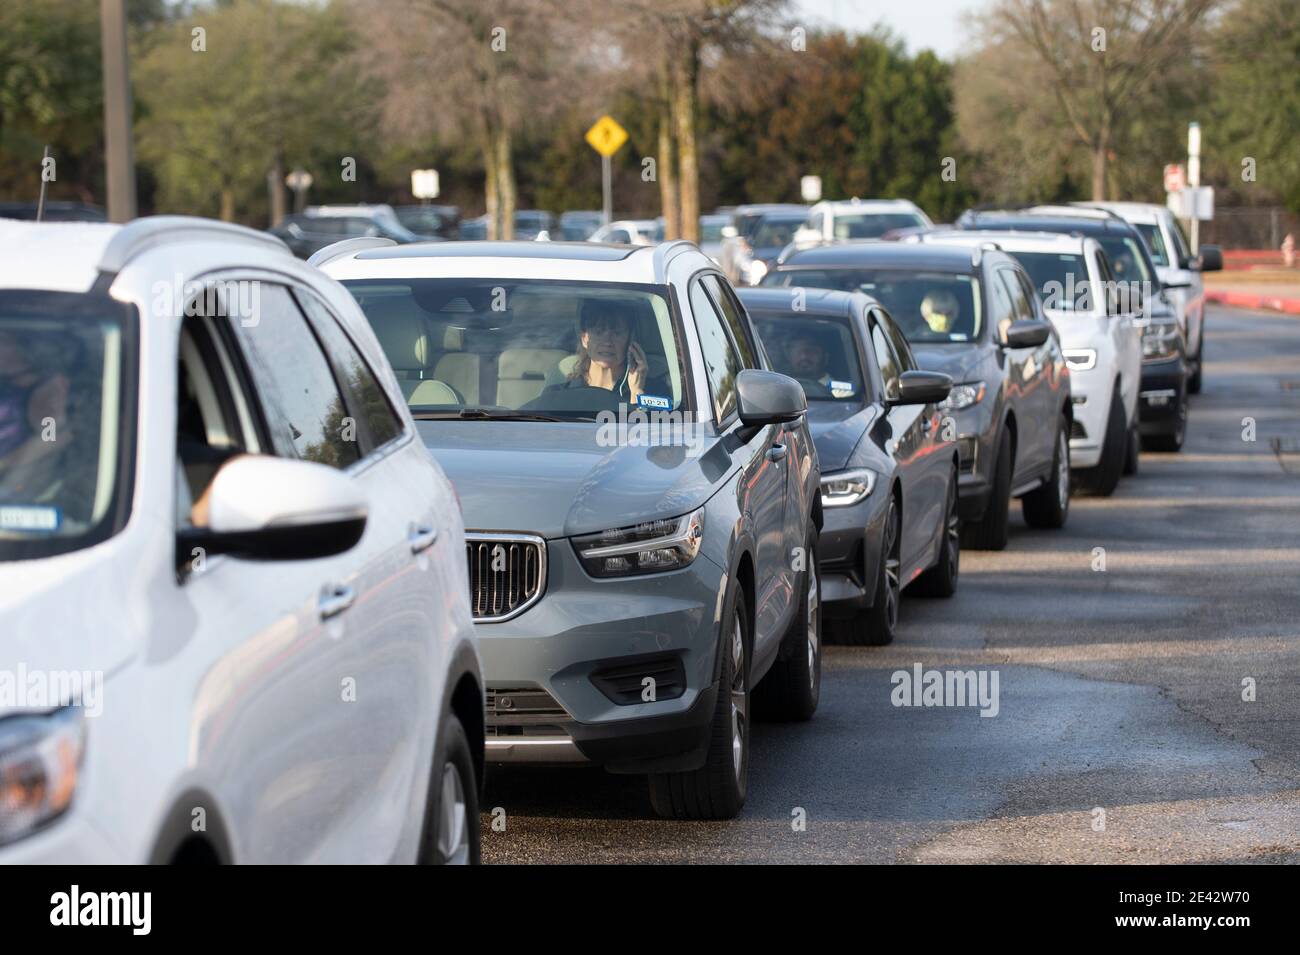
{"x": 482, "y": 414}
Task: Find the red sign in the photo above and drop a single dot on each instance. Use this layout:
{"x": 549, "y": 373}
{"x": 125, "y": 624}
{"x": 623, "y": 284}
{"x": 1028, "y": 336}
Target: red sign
{"x": 1175, "y": 177}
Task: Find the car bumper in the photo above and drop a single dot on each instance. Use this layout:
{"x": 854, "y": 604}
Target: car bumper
{"x": 554, "y": 673}
{"x": 1091, "y": 392}
{"x": 71, "y": 840}
{"x": 848, "y": 551}
{"x": 1163, "y": 384}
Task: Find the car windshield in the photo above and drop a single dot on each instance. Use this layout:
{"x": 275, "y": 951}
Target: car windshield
{"x": 929, "y": 307}
{"x": 1155, "y": 242}
{"x": 772, "y": 232}
{"x": 1061, "y": 279}
{"x": 422, "y": 221}
{"x": 817, "y": 351}
{"x": 711, "y": 229}
{"x": 1126, "y": 258}
{"x": 66, "y": 369}
{"x": 527, "y": 350}
{"x": 872, "y": 225}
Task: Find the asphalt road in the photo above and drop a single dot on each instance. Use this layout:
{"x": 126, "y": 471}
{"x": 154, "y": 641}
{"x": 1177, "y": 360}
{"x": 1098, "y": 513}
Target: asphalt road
{"x": 1121, "y": 690}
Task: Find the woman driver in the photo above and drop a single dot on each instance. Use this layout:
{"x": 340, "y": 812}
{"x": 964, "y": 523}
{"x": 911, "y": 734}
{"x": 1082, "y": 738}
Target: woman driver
{"x": 608, "y": 357}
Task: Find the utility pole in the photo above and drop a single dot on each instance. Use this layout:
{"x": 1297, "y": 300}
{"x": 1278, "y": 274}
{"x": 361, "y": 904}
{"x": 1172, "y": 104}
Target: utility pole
{"x": 1194, "y": 180}
{"x": 119, "y": 152}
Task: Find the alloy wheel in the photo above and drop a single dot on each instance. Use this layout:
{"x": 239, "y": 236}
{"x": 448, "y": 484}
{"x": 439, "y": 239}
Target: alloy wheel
{"x": 453, "y": 827}
{"x": 893, "y": 566}
{"x": 1062, "y": 469}
{"x": 814, "y": 620}
{"x": 739, "y": 703}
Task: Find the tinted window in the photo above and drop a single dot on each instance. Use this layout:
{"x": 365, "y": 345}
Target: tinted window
{"x": 902, "y": 351}
{"x": 725, "y": 301}
{"x": 1155, "y": 242}
{"x": 872, "y": 225}
{"x": 1021, "y": 310}
{"x": 720, "y": 358}
{"x": 818, "y": 352}
{"x": 305, "y": 413}
{"x": 889, "y": 370}
{"x": 1061, "y": 279}
{"x": 366, "y": 396}
{"x": 1001, "y": 307}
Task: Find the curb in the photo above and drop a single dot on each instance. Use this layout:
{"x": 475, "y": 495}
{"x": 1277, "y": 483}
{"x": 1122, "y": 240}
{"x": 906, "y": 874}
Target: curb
{"x": 1290, "y": 306}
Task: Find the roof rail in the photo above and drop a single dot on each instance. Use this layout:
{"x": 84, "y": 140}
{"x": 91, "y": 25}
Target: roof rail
{"x": 336, "y": 250}
{"x": 666, "y": 250}
{"x": 141, "y": 235}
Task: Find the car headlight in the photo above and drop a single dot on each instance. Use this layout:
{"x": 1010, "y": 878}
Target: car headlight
{"x": 40, "y": 763}
{"x": 1080, "y": 359}
{"x": 844, "y": 488}
{"x": 754, "y": 271}
{"x": 1160, "y": 340}
{"x": 644, "y": 548}
{"x": 963, "y": 396}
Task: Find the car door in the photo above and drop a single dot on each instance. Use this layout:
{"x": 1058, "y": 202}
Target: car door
{"x": 762, "y": 481}
{"x": 1126, "y": 336}
{"x": 359, "y": 660}
{"x": 1035, "y": 417}
{"x": 914, "y": 428}
{"x": 1194, "y": 291}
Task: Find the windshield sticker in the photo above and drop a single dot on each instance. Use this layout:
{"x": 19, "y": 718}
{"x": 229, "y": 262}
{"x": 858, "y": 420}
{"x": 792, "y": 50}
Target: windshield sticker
{"x": 30, "y": 518}
{"x": 654, "y": 401}
{"x": 841, "y": 389}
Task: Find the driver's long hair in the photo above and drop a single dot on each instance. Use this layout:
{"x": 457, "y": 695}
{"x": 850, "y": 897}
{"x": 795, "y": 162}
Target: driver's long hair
{"x": 586, "y": 318}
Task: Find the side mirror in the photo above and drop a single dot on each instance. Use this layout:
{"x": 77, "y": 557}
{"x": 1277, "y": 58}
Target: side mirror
{"x": 729, "y": 232}
{"x": 766, "y": 397}
{"x": 1027, "y": 334}
{"x": 1211, "y": 259}
{"x": 266, "y": 508}
{"x": 922, "y": 387}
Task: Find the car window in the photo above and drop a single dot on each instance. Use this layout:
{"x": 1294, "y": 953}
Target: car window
{"x": 1002, "y": 309}
{"x": 365, "y": 395}
{"x": 1021, "y": 310}
{"x": 885, "y": 358}
{"x": 725, "y": 299}
{"x": 817, "y": 351}
{"x": 902, "y": 350}
{"x": 304, "y": 410}
{"x": 872, "y": 225}
{"x": 721, "y": 360}
{"x": 1180, "y": 241}
{"x": 1060, "y": 278}
{"x": 1155, "y": 241}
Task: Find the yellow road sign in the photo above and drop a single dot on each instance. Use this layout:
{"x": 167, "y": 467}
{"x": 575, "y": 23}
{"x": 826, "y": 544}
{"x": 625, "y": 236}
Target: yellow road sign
{"x": 606, "y": 136}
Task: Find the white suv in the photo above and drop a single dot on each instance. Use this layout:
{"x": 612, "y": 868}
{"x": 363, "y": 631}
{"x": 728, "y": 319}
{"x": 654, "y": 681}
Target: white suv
{"x": 1102, "y": 343}
{"x": 1179, "y": 271}
{"x": 858, "y": 219}
{"x": 233, "y": 614}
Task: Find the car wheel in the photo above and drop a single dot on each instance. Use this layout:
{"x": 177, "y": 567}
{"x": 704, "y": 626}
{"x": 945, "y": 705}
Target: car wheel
{"x": 717, "y": 789}
{"x": 1134, "y": 453}
{"x": 793, "y": 685}
{"x": 1194, "y": 382}
{"x": 875, "y": 627}
{"x": 1104, "y": 478}
{"x": 451, "y": 830}
{"x": 941, "y": 579}
{"x": 1049, "y": 505}
{"x": 991, "y": 531}
{"x": 1171, "y": 440}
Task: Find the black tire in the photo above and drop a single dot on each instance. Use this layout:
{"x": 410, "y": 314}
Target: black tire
{"x": 1133, "y": 454}
{"x": 941, "y": 579}
{"x": 992, "y": 530}
{"x": 1049, "y": 506}
{"x": 1171, "y": 441}
{"x": 717, "y": 789}
{"x": 792, "y": 687}
{"x": 875, "y": 626}
{"x": 451, "y": 824}
{"x": 1194, "y": 382}
{"x": 1104, "y": 478}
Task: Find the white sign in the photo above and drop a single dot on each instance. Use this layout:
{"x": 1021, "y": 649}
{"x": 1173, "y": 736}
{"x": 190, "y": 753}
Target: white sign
{"x": 1194, "y": 202}
{"x": 810, "y": 187}
{"x": 299, "y": 180}
{"x": 424, "y": 183}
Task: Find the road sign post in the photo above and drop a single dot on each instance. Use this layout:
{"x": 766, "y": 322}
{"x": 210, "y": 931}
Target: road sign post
{"x": 607, "y": 137}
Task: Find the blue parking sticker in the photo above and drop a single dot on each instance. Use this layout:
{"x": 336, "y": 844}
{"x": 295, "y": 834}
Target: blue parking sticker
{"x": 30, "y": 518}
{"x": 654, "y": 401}
{"x": 841, "y": 389}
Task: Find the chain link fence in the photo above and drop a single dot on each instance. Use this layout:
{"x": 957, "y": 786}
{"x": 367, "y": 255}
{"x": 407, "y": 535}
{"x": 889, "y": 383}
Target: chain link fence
{"x": 1253, "y": 227}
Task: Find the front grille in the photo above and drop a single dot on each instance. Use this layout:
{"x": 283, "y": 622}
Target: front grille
{"x": 624, "y": 683}
{"x": 524, "y": 711}
{"x": 507, "y": 574}
{"x": 1077, "y": 430}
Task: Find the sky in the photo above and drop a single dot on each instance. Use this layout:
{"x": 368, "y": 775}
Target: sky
{"x": 922, "y": 24}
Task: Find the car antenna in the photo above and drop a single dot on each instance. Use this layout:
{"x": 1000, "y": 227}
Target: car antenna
{"x": 40, "y": 203}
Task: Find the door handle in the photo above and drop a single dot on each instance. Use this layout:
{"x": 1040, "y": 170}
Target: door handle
{"x": 422, "y": 538}
{"x": 776, "y": 452}
{"x": 334, "y": 599}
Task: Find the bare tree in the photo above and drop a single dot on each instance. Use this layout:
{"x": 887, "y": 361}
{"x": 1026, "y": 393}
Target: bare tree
{"x": 1088, "y": 66}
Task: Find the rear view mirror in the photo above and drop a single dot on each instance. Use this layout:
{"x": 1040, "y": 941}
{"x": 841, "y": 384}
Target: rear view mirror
{"x": 1027, "y": 334}
{"x": 922, "y": 388}
{"x": 767, "y": 397}
{"x": 1211, "y": 259}
{"x": 267, "y": 508}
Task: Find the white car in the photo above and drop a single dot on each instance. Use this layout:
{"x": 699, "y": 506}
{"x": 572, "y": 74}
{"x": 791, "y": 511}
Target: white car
{"x": 858, "y": 219}
{"x": 629, "y": 232}
{"x": 233, "y": 593}
{"x": 1102, "y": 343}
{"x": 1179, "y": 271}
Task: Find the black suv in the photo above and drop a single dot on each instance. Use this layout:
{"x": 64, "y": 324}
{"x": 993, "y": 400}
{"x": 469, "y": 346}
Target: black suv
{"x": 1162, "y": 405}
{"x": 972, "y": 314}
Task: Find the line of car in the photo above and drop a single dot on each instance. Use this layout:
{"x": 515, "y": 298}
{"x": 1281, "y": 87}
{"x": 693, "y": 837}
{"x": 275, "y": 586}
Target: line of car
{"x": 646, "y": 491}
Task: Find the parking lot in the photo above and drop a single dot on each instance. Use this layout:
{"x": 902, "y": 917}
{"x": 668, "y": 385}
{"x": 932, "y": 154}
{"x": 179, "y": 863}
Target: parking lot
{"x": 1121, "y": 733}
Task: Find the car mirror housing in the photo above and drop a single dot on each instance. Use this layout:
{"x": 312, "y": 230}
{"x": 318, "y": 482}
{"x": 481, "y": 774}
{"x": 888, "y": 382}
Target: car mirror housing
{"x": 922, "y": 388}
{"x": 767, "y": 397}
{"x": 1210, "y": 259}
{"x": 1027, "y": 334}
{"x": 267, "y": 508}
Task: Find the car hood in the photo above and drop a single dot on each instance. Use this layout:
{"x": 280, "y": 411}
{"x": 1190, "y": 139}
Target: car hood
{"x": 836, "y": 428}
{"x": 71, "y": 613}
{"x": 962, "y": 362}
{"x": 562, "y": 479}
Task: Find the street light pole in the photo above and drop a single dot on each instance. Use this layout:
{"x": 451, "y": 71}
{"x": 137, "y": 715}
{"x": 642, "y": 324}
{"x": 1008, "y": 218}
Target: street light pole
{"x": 119, "y": 153}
